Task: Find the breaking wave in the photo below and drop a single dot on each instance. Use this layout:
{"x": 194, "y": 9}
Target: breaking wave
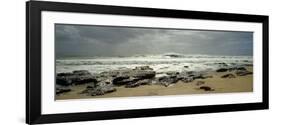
{"x": 160, "y": 63}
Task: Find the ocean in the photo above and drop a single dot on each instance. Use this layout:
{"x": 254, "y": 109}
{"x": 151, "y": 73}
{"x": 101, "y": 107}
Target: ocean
{"x": 170, "y": 62}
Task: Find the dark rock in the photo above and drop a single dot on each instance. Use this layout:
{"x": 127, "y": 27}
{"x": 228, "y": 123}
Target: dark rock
{"x": 228, "y": 76}
{"x": 222, "y": 70}
{"x": 74, "y": 78}
{"x": 89, "y": 87}
{"x": 128, "y": 76}
{"x": 172, "y": 73}
{"x": 200, "y": 83}
{"x": 81, "y": 72}
{"x": 206, "y": 88}
{"x": 186, "y": 79}
{"x": 138, "y": 83}
{"x": 237, "y": 68}
{"x": 138, "y": 73}
{"x": 189, "y": 76}
{"x": 63, "y": 81}
{"x": 167, "y": 80}
{"x": 197, "y": 75}
{"x": 186, "y": 66}
{"x": 100, "y": 89}
{"x": 127, "y": 81}
{"x": 120, "y": 80}
{"x": 84, "y": 79}
{"x": 243, "y": 73}
{"x": 108, "y": 81}
{"x": 241, "y": 68}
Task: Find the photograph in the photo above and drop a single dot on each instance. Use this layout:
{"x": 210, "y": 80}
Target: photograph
{"x": 87, "y": 62}
{"x": 93, "y": 61}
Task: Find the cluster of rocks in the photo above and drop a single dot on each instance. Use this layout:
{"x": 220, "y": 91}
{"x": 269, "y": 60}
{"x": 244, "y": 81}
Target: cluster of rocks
{"x": 239, "y": 71}
{"x": 185, "y": 76}
{"x": 98, "y": 89}
{"x": 106, "y": 82}
{"x": 74, "y": 78}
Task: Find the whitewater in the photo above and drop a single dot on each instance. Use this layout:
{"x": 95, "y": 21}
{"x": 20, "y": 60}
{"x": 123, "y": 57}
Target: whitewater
{"x": 171, "y": 62}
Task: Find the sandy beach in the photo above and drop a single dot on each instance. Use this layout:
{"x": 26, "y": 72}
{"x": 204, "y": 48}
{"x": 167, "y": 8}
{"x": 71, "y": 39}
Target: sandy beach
{"x": 216, "y": 83}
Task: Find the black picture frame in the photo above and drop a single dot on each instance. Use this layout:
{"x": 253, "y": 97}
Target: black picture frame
{"x": 33, "y": 61}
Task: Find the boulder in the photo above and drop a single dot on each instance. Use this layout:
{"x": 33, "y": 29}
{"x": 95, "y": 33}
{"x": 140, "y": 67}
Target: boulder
{"x": 221, "y": 70}
{"x": 81, "y": 72}
{"x": 228, "y": 76}
{"x": 206, "y": 88}
{"x": 84, "y": 79}
{"x": 138, "y": 83}
{"x": 237, "y": 68}
{"x": 121, "y": 80}
{"x": 63, "y": 81}
{"x": 189, "y": 76}
{"x": 99, "y": 89}
{"x": 108, "y": 81}
{"x": 197, "y": 75}
{"x": 74, "y": 78}
{"x": 167, "y": 80}
{"x": 241, "y": 68}
{"x": 138, "y": 73}
{"x": 127, "y": 76}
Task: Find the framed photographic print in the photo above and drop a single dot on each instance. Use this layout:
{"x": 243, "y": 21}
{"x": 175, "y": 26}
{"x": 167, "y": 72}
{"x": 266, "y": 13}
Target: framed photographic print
{"x": 95, "y": 62}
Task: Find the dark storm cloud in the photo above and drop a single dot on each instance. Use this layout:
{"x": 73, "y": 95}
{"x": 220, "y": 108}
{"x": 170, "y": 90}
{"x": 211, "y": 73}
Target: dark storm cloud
{"x": 82, "y": 40}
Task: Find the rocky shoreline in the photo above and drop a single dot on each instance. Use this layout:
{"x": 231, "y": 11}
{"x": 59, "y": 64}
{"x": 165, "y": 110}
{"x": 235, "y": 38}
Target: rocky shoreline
{"x": 107, "y": 82}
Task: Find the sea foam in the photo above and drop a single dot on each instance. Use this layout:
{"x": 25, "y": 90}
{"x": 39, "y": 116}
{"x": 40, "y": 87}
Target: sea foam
{"x": 162, "y": 64}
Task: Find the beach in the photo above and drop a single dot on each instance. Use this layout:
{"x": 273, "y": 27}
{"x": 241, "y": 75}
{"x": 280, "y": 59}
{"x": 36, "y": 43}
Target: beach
{"x": 108, "y": 62}
{"x": 215, "y": 84}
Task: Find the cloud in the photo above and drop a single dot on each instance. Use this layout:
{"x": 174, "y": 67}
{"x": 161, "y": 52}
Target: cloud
{"x": 83, "y": 40}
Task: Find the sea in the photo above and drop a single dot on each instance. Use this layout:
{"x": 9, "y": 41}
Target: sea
{"x": 161, "y": 63}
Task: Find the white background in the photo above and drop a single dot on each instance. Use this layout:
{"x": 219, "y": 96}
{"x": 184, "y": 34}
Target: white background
{"x": 12, "y": 90}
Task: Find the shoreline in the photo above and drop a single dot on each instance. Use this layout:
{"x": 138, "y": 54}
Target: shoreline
{"x": 216, "y": 84}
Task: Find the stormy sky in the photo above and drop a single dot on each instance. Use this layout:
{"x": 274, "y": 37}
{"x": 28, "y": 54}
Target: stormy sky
{"x": 88, "y": 41}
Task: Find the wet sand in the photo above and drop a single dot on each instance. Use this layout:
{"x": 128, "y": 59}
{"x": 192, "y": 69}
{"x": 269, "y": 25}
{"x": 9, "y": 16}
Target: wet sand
{"x": 220, "y": 85}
